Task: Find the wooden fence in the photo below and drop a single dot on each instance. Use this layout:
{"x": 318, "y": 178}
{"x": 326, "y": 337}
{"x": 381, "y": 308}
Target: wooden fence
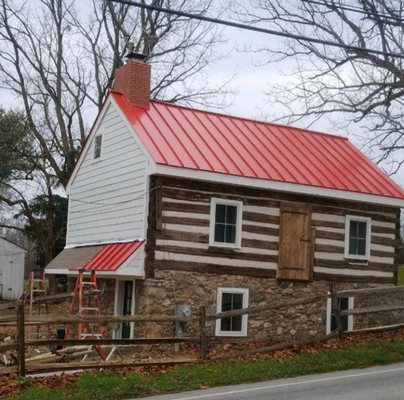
{"x": 201, "y": 339}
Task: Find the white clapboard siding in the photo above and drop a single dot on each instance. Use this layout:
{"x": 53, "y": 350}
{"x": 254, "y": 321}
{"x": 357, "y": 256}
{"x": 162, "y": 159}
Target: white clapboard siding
{"x": 108, "y": 195}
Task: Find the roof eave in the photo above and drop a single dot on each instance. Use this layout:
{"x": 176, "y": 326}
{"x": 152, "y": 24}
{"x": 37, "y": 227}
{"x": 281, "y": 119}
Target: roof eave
{"x": 258, "y": 183}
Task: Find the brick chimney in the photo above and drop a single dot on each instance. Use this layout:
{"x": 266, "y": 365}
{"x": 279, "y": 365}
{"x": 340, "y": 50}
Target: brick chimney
{"x": 133, "y": 80}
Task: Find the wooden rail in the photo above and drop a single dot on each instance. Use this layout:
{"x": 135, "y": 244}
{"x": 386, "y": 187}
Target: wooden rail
{"x": 203, "y": 338}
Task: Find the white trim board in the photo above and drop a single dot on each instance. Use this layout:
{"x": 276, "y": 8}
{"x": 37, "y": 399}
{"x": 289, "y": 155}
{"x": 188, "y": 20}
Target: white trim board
{"x": 350, "y": 317}
{"x": 100, "y": 274}
{"x": 244, "y": 318}
{"x": 167, "y": 170}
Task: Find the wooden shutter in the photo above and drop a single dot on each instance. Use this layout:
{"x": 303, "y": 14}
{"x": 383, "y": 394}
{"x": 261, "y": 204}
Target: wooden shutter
{"x": 296, "y": 243}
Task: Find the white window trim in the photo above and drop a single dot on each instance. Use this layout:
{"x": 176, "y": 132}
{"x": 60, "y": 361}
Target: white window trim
{"x": 348, "y": 219}
{"x": 239, "y": 204}
{"x": 244, "y": 318}
{"x": 94, "y": 140}
{"x": 329, "y": 310}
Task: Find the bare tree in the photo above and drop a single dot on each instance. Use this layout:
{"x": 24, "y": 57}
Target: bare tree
{"x": 58, "y": 58}
{"x": 353, "y": 86}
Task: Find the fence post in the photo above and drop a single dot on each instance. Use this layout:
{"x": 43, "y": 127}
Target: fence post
{"x": 335, "y": 308}
{"x": 202, "y": 327}
{"x": 21, "y": 337}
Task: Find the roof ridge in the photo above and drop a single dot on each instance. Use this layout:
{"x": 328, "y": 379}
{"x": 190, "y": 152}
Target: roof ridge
{"x": 250, "y": 119}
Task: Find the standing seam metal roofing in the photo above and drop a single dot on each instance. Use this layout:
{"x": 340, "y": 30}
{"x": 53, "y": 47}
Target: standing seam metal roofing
{"x": 187, "y": 138}
{"x": 112, "y": 256}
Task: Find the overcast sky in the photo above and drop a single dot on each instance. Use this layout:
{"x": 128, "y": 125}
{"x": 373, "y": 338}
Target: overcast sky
{"x": 250, "y": 82}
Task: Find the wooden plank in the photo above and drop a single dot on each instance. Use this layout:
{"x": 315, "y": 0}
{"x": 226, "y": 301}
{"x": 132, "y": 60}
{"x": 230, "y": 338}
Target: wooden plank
{"x": 375, "y": 329}
{"x": 170, "y": 265}
{"x": 185, "y": 221}
{"x": 330, "y": 235}
{"x": 184, "y": 207}
{"x": 327, "y": 224}
{"x": 382, "y": 229}
{"x": 20, "y": 338}
{"x": 320, "y": 276}
{"x": 8, "y": 318}
{"x": 180, "y": 236}
{"x": 380, "y": 253}
{"x": 96, "y": 365}
{"x": 367, "y": 291}
{"x": 328, "y": 248}
{"x": 354, "y": 265}
{"x": 8, "y": 347}
{"x": 219, "y": 252}
{"x": 203, "y": 346}
{"x": 110, "y": 342}
{"x": 262, "y": 230}
{"x": 384, "y": 241}
{"x": 259, "y": 244}
{"x": 158, "y": 205}
{"x": 277, "y": 347}
{"x": 8, "y": 306}
{"x": 371, "y": 310}
{"x": 272, "y": 306}
{"x": 105, "y": 319}
{"x": 364, "y": 210}
{"x": 256, "y": 217}
{"x": 236, "y": 190}
{"x": 186, "y": 193}
{"x": 295, "y": 243}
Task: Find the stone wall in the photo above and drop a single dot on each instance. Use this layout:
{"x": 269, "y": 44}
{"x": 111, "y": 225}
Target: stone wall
{"x": 161, "y": 294}
{"x": 170, "y": 288}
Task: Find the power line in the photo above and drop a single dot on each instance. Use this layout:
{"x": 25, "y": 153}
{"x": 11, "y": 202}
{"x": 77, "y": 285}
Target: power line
{"x": 349, "y": 48}
{"x": 354, "y": 9}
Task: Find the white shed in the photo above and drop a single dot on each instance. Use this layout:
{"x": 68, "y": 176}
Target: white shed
{"x": 12, "y": 261}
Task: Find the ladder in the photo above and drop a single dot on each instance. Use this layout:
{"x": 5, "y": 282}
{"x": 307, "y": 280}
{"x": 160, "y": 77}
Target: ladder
{"x": 36, "y": 286}
{"x": 86, "y": 302}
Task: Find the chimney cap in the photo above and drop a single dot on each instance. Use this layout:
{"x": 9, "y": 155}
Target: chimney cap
{"x": 136, "y": 56}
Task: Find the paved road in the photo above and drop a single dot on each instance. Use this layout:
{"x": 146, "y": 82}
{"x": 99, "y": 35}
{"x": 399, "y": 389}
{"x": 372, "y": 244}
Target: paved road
{"x": 377, "y": 383}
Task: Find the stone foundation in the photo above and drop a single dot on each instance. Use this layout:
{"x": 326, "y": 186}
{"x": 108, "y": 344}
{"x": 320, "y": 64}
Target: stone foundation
{"x": 161, "y": 294}
{"x": 170, "y": 288}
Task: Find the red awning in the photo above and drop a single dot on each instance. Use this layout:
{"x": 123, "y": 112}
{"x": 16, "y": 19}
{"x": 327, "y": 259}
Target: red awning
{"x": 111, "y": 256}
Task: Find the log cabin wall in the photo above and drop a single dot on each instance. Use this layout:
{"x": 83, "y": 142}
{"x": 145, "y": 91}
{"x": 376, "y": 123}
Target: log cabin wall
{"x": 179, "y": 233}
{"x": 181, "y": 267}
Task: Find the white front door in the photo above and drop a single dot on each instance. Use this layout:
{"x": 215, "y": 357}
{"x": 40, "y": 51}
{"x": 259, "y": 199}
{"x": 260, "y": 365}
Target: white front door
{"x": 125, "y": 305}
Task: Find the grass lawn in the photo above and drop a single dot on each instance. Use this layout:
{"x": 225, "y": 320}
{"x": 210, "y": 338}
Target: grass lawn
{"x": 109, "y": 386}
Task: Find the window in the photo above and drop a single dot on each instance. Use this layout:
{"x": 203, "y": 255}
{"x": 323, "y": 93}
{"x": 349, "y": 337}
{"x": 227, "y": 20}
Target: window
{"x": 232, "y": 299}
{"x": 97, "y": 146}
{"x": 344, "y": 303}
{"x": 225, "y": 223}
{"x": 357, "y": 237}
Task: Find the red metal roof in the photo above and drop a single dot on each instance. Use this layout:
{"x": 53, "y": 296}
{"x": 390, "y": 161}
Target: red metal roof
{"x": 112, "y": 256}
{"x": 183, "y": 137}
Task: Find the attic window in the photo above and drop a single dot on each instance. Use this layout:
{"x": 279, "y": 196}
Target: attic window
{"x": 97, "y": 146}
{"x": 357, "y": 237}
{"x": 225, "y": 223}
